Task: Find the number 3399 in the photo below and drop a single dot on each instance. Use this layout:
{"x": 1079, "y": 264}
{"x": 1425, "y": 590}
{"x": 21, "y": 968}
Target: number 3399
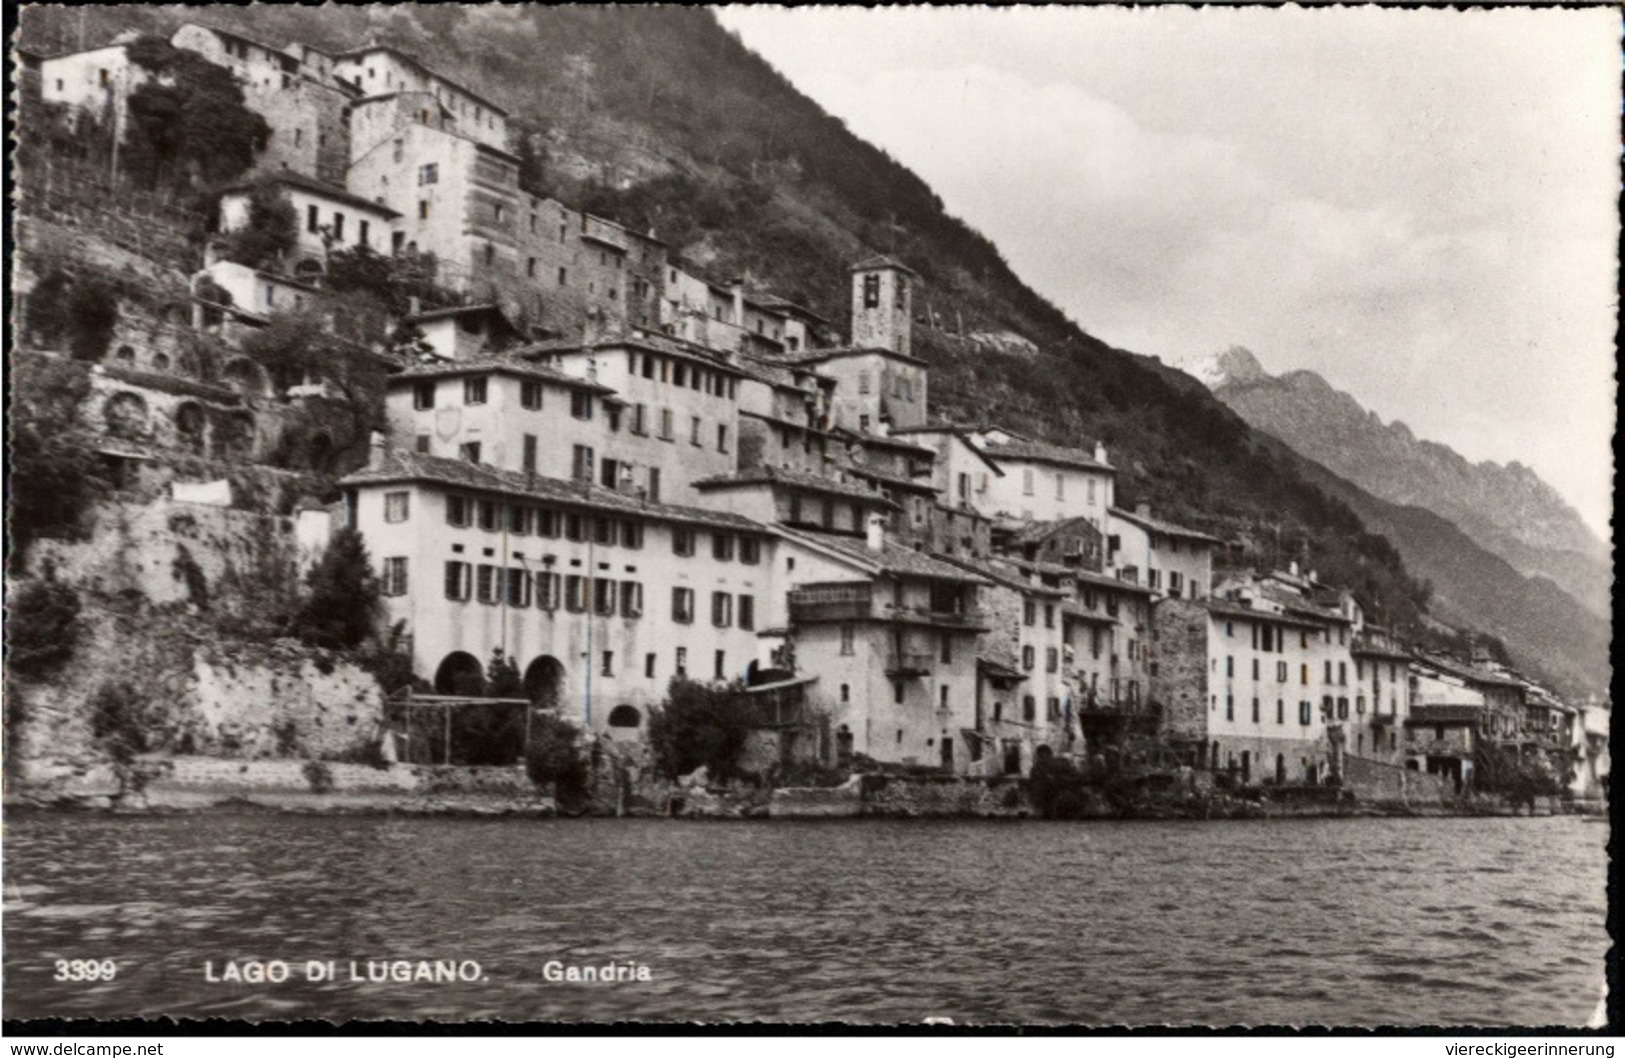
{"x": 86, "y": 970}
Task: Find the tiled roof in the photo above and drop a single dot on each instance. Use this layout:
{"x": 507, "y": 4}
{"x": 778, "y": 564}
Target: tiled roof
{"x": 1226, "y": 608}
{"x": 494, "y": 365}
{"x": 1297, "y": 604}
{"x": 1037, "y": 531}
{"x": 424, "y": 67}
{"x": 655, "y": 343}
{"x": 399, "y": 466}
{"x": 768, "y": 475}
{"x": 892, "y": 558}
{"x": 1103, "y": 580}
{"x": 1156, "y": 525}
{"x": 316, "y": 187}
{"x": 1008, "y": 574}
{"x": 1467, "y": 672}
{"x": 893, "y": 480}
{"x": 837, "y": 352}
{"x": 879, "y": 441}
{"x": 1039, "y": 452}
{"x": 880, "y": 260}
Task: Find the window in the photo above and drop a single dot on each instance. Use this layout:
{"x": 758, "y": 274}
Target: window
{"x": 429, "y": 174}
{"x": 603, "y": 530}
{"x": 547, "y": 522}
{"x": 848, "y": 635}
{"x": 632, "y": 600}
{"x": 1305, "y": 713}
{"x": 1255, "y": 668}
{"x": 682, "y": 606}
{"x": 682, "y": 541}
{"x": 580, "y": 405}
{"x": 338, "y": 227}
{"x": 609, "y": 664}
{"x": 1281, "y": 675}
{"x": 631, "y": 534}
{"x": 1029, "y": 708}
{"x": 548, "y": 590}
{"x": 603, "y": 597}
{"x": 313, "y": 219}
{"x": 1052, "y": 660}
{"x": 665, "y": 424}
{"x": 1230, "y": 666}
{"x": 682, "y": 661}
{"x": 422, "y": 444}
{"x": 575, "y": 593}
{"x": 720, "y": 671}
{"x": 474, "y": 390}
{"x": 747, "y": 612}
{"x": 722, "y": 438}
{"x": 871, "y": 291}
{"x": 396, "y": 506}
{"x": 564, "y": 277}
{"x": 722, "y": 609}
{"x": 1029, "y": 658}
{"x": 423, "y": 209}
{"x": 750, "y": 550}
{"x": 1027, "y": 481}
{"x": 1049, "y": 615}
{"x": 863, "y": 381}
{"x": 518, "y": 587}
{"x": 648, "y": 666}
{"x": 1229, "y": 707}
{"x": 485, "y": 583}
{"x": 394, "y": 581}
{"x": 1052, "y": 708}
{"x": 694, "y": 432}
{"x": 457, "y": 511}
{"x": 459, "y": 578}
{"x": 1255, "y": 710}
{"x": 640, "y": 427}
{"x": 518, "y": 520}
{"x": 1029, "y": 612}
{"x": 530, "y": 394}
{"x": 575, "y": 527}
{"x": 1060, "y": 486}
{"x": 1304, "y": 674}
{"x": 423, "y": 395}
{"x": 722, "y": 546}
{"x": 582, "y": 463}
{"x": 1342, "y": 671}
{"x": 400, "y": 149}
{"x": 488, "y": 515}
{"x": 529, "y": 456}
{"x": 469, "y": 451}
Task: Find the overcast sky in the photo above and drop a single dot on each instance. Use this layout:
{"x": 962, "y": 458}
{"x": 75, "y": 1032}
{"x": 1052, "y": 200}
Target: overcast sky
{"x": 1418, "y": 205}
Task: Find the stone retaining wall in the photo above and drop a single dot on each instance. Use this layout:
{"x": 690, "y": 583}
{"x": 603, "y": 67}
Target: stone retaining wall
{"x": 889, "y": 795}
{"x": 1376, "y": 781}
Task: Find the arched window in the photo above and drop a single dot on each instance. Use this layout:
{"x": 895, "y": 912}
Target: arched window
{"x": 625, "y": 716}
{"x": 125, "y": 415}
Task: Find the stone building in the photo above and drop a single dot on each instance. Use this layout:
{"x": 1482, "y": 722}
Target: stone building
{"x": 1171, "y": 559}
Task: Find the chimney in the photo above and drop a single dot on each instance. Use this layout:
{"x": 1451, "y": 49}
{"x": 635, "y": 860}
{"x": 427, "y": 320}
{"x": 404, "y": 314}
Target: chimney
{"x": 1143, "y": 510}
{"x": 877, "y": 533}
{"x": 1100, "y": 454}
{"x": 738, "y": 288}
{"x": 377, "y": 449}
{"x": 1292, "y": 567}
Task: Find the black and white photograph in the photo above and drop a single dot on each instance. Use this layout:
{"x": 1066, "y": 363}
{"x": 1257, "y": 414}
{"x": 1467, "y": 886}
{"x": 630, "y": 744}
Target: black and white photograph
{"x": 926, "y": 519}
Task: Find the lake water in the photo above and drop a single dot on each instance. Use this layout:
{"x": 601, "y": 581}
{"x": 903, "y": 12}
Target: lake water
{"x": 1344, "y": 921}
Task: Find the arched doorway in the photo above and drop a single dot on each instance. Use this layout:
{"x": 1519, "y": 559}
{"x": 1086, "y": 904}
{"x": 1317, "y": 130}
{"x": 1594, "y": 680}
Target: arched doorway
{"x": 625, "y": 716}
{"x": 460, "y": 673}
{"x": 189, "y": 424}
{"x": 544, "y": 682}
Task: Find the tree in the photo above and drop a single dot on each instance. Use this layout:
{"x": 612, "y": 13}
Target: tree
{"x": 42, "y": 625}
{"x": 188, "y": 122}
{"x": 554, "y": 758}
{"x": 342, "y": 604}
{"x": 701, "y": 724}
{"x": 298, "y": 346}
{"x": 79, "y": 310}
{"x": 272, "y": 230}
{"x": 502, "y": 677}
{"x": 53, "y": 474}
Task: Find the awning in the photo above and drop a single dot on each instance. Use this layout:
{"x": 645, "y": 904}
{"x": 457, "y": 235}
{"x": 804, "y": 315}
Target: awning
{"x": 999, "y": 673}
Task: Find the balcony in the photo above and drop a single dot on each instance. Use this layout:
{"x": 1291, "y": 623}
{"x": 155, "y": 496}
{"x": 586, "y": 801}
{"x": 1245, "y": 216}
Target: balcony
{"x": 908, "y": 664}
{"x": 969, "y": 620}
{"x": 830, "y": 603}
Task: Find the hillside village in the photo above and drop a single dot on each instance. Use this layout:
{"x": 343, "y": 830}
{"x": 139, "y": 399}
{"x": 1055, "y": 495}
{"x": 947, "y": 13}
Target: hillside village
{"x": 566, "y": 449}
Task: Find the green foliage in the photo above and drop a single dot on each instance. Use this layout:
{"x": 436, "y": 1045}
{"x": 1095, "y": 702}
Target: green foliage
{"x": 42, "y": 625}
{"x": 1518, "y": 778}
{"x": 119, "y": 720}
{"x": 189, "y": 122}
{"x": 298, "y": 346}
{"x": 271, "y": 233}
{"x": 701, "y": 724}
{"x": 319, "y": 774}
{"x": 490, "y": 733}
{"x": 53, "y": 473}
{"x": 555, "y": 758}
{"x": 80, "y": 311}
{"x": 1056, "y": 788}
{"x": 389, "y": 662}
{"x": 342, "y": 597}
{"x": 502, "y": 678}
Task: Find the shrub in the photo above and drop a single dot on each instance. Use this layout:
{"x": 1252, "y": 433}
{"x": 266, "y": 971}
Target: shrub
{"x": 319, "y": 775}
{"x": 271, "y": 232}
{"x": 701, "y": 724}
{"x": 42, "y": 624}
{"x": 487, "y": 733}
{"x": 118, "y": 720}
{"x": 554, "y": 758}
{"x": 78, "y": 310}
{"x": 1056, "y": 788}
